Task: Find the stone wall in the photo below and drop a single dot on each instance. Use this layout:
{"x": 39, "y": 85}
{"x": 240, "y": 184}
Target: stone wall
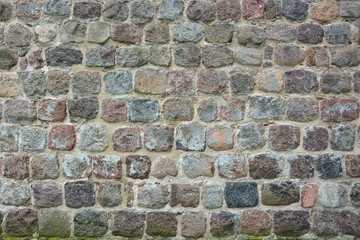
{"x": 181, "y": 119}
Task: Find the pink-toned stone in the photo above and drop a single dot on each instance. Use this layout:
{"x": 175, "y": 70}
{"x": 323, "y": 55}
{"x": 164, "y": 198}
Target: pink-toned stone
{"x": 324, "y": 11}
{"x": 220, "y": 138}
{"x": 339, "y": 109}
{"x": 352, "y": 164}
{"x": 308, "y": 195}
{"x": 233, "y": 109}
{"x": 126, "y": 139}
{"x": 35, "y": 58}
{"x": 108, "y": 167}
{"x": 181, "y": 82}
{"x": 14, "y": 166}
{"x": 114, "y": 110}
{"x": 52, "y": 110}
{"x": 255, "y": 222}
{"x": 62, "y": 137}
{"x": 253, "y": 9}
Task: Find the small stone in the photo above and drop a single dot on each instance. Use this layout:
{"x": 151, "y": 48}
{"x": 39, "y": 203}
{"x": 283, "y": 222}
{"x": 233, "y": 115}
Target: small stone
{"x": 255, "y": 222}
{"x": 58, "y": 82}
{"x": 126, "y": 33}
{"x": 253, "y": 9}
{"x": 161, "y": 224}
{"x": 153, "y": 195}
{"x": 98, "y": 32}
{"x": 52, "y": 110}
{"x": 138, "y": 166}
{"x": 335, "y": 82}
{"x": 187, "y": 31}
{"x": 83, "y": 108}
{"x": 217, "y": 56}
{"x": 151, "y": 81}
{"x": 157, "y": 32}
{"x": 326, "y": 223}
{"x": 242, "y": 82}
{"x": 342, "y": 138}
{"x": 310, "y": 33}
{"x": 345, "y": 56}
{"x": 190, "y": 137}
{"x": 89, "y": 223}
{"x": 212, "y": 196}
{"x": 46, "y": 32}
{"x": 232, "y": 108}
{"x": 207, "y": 110}
{"x": 300, "y": 81}
{"x": 352, "y": 164}
{"x": 315, "y": 138}
{"x": 355, "y": 195}
{"x": 187, "y": 55}
{"x": 79, "y": 194}
{"x": 44, "y": 166}
{"x": 21, "y": 222}
{"x": 332, "y": 195}
{"x": 59, "y": 8}
{"x": 170, "y": 9}
{"x": 265, "y": 165}
{"x": 280, "y": 193}
{"x": 159, "y": 138}
{"x": 76, "y": 166}
{"x": 250, "y": 136}
{"x": 86, "y": 82}
{"x": 118, "y": 82}
{"x": 339, "y": 110}
{"x": 290, "y": 223}
{"x": 108, "y": 167}
{"x": 6, "y": 10}
{"x": 19, "y": 111}
{"x": 62, "y": 137}
{"x": 302, "y": 109}
{"x": 47, "y": 194}
{"x": 73, "y": 31}
{"x": 193, "y": 225}
{"x": 35, "y": 58}
{"x": 93, "y": 137}
{"x": 201, "y": 10}
{"x": 249, "y": 34}
{"x": 133, "y": 56}
{"x": 248, "y": 56}
{"x": 198, "y": 165}
{"x": 143, "y": 110}
{"x": 63, "y": 55}
{"x": 9, "y": 84}
{"x": 220, "y": 138}
{"x": 317, "y": 56}
{"x": 18, "y": 35}
{"x": 349, "y": 222}
{"x": 267, "y": 107}
{"x": 299, "y": 166}
{"x": 15, "y": 193}
{"x": 29, "y": 143}
{"x": 308, "y": 195}
{"x": 9, "y": 138}
{"x": 164, "y": 166}
{"x": 54, "y": 223}
{"x": 100, "y": 56}
{"x": 109, "y": 194}
{"x": 228, "y": 10}
{"x": 241, "y": 194}
{"x": 126, "y": 139}
{"x": 219, "y": 32}
{"x": 212, "y": 81}
{"x": 114, "y": 110}
{"x": 34, "y": 84}
{"x": 141, "y": 11}
{"x": 14, "y": 166}
{"x": 115, "y": 10}
{"x": 289, "y": 55}
{"x": 284, "y": 137}
{"x": 281, "y": 31}
{"x": 270, "y": 80}
{"x": 181, "y": 82}
{"x": 222, "y": 224}
{"x": 185, "y": 195}
{"x": 328, "y": 166}
{"x": 160, "y": 55}
{"x": 8, "y": 58}
{"x": 349, "y": 9}
{"x": 294, "y": 9}
{"x": 128, "y": 224}
{"x": 87, "y": 10}
{"x": 324, "y": 11}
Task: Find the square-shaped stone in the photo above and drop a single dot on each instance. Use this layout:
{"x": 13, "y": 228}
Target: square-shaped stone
{"x": 108, "y": 167}
{"x": 190, "y": 137}
{"x": 52, "y": 110}
{"x": 90, "y": 223}
{"x": 76, "y": 166}
{"x": 47, "y": 194}
{"x": 93, "y": 137}
{"x": 118, "y": 82}
{"x": 44, "y": 166}
{"x": 138, "y": 166}
{"x": 143, "y": 110}
{"x": 62, "y": 137}
{"x": 114, "y": 110}
{"x": 241, "y": 194}
{"x": 33, "y": 139}
{"x": 14, "y": 165}
{"x": 9, "y": 138}
{"x": 128, "y": 224}
{"x": 54, "y": 223}
{"x": 79, "y": 194}
{"x": 159, "y": 138}
{"x": 126, "y": 139}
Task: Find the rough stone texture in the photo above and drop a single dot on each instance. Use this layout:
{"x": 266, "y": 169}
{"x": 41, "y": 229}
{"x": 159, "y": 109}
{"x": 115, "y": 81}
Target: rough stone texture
{"x": 222, "y": 224}
{"x": 339, "y": 110}
{"x": 250, "y": 136}
{"x": 332, "y": 195}
{"x": 289, "y": 55}
{"x": 302, "y": 109}
{"x": 193, "y": 225}
{"x": 108, "y": 167}
{"x": 221, "y": 32}
{"x": 324, "y": 11}
{"x": 89, "y": 223}
{"x": 44, "y": 166}
{"x": 326, "y": 223}
{"x": 232, "y": 166}
{"x": 153, "y": 195}
{"x": 126, "y": 33}
{"x": 342, "y": 138}
{"x": 161, "y": 224}
{"x": 185, "y": 195}
{"x": 299, "y": 166}
{"x": 267, "y": 166}
{"x": 159, "y": 138}
{"x": 315, "y": 138}
{"x": 255, "y": 222}
{"x": 137, "y": 166}
{"x": 197, "y": 165}
{"x": 300, "y": 81}
{"x": 63, "y": 55}
{"x": 150, "y": 81}
{"x": 47, "y": 194}
{"x": 329, "y": 166}
{"x": 164, "y": 166}
{"x": 54, "y": 223}
{"x": 284, "y": 137}
{"x": 241, "y": 194}
{"x": 128, "y": 224}
{"x": 266, "y": 107}
{"x": 76, "y": 166}
{"x": 93, "y": 138}
{"x": 79, "y": 194}
{"x": 118, "y": 82}
{"x": 21, "y": 222}
{"x": 143, "y": 110}
{"x": 291, "y": 223}
{"x": 190, "y": 137}
{"x": 351, "y": 163}
{"x": 280, "y": 193}
{"x": 19, "y": 111}
{"x": 126, "y": 139}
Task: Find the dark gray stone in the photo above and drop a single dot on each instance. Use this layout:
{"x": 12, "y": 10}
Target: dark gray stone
{"x": 86, "y": 82}
{"x": 142, "y": 11}
{"x": 79, "y": 194}
{"x": 170, "y": 9}
{"x": 328, "y": 166}
{"x": 342, "y": 138}
{"x": 89, "y": 223}
{"x": 143, "y": 110}
{"x": 338, "y": 33}
{"x": 294, "y": 9}
{"x": 280, "y": 193}
{"x": 63, "y": 55}
{"x": 241, "y": 194}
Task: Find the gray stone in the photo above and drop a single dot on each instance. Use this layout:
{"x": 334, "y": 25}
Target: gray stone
{"x": 310, "y": 33}
{"x": 248, "y": 56}
{"x": 8, "y": 58}
{"x": 187, "y": 55}
{"x": 198, "y": 165}
{"x": 126, "y": 33}
{"x": 332, "y": 195}
{"x": 44, "y": 166}
{"x": 338, "y": 33}
{"x": 160, "y": 55}
{"x": 9, "y": 138}
{"x": 267, "y": 107}
{"x": 342, "y": 138}
{"x": 345, "y": 56}
{"x": 34, "y": 84}
{"x": 153, "y": 195}
{"x": 212, "y": 196}
{"x": 83, "y": 108}
{"x": 288, "y": 55}
{"x": 138, "y": 166}
{"x": 115, "y": 10}
{"x": 57, "y": 7}
{"x": 142, "y": 11}
{"x": 15, "y": 193}
{"x": 46, "y": 32}
{"x": 19, "y": 111}
{"x": 79, "y": 194}
{"x": 86, "y": 82}
{"x": 133, "y": 56}
{"x": 178, "y": 109}
{"x": 250, "y": 34}
{"x": 28, "y": 10}
{"x": 33, "y": 139}
{"x": 170, "y": 9}
{"x": 100, "y": 56}
{"x": 164, "y": 166}
{"x": 217, "y": 56}
{"x": 18, "y": 35}
{"x": 242, "y": 82}
{"x": 143, "y": 110}
{"x": 294, "y": 9}
{"x": 241, "y": 194}
{"x": 98, "y": 32}
{"x": 299, "y": 166}
{"x": 73, "y": 31}
{"x": 300, "y": 81}
{"x": 118, "y": 82}
{"x": 63, "y": 55}
{"x": 232, "y": 166}
{"x": 350, "y": 9}
{"x": 159, "y": 138}
{"x": 93, "y": 137}
{"x": 109, "y": 194}
{"x": 302, "y": 109}
{"x": 355, "y": 195}
{"x": 21, "y": 222}
{"x": 128, "y": 224}
{"x": 54, "y": 223}
{"x": 281, "y": 31}
{"x": 280, "y": 193}
{"x": 250, "y": 136}
{"x": 76, "y": 166}
{"x": 157, "y": 32}
{"x": 199, "y": 10}
{"x": 58, "y": 82}
{"x": 207, "y": 110}
{"x": 186, "y": 31}
{"x": 190, "y": 137}
{"x": 219, "y": 32}
{"x": 328, "y": 166}
{"x": 6, "y": 10}
{"x": 89, "y": 223}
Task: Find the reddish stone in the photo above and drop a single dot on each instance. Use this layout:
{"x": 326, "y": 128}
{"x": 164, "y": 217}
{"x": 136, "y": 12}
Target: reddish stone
{"x": 233, "y": 110}
{"x": 315, "y": 138}
{"x": 87, "y": 10}
{"x": 308, "y": 195}
{"x": 107, "y": 167}
{"x": 265, "y": 166}
{"x": 228, "y": 10}
{"x": 62, "y": 137}
{"x": 181, "y": 82}
{"x": 339, "y": 110}
{"x": 220, "y": 138}
{"x": 201, "y": 10}
{"x": 52, "y": 110}
{"x": 35, "y": 59}
{"x": 126, "y": 139}
{"x": 253, "y": 9}
{"x": 127, "y": 33}
{"x": 193, "y": 225}
{"x": 164, "y": 166}
{"x": 186, "y": 195}
{"x": 222, "y": 224}
{"x": 114, "y": 110}
{"x": 324, "y": 11}
{"x": 44, "y": 166}
{"x": 317, "y": 56}
{"x": 14, "y": 166}
{"x": 352, "y": 164}
{"x": 212, "y": 81}
{"x": 255, "y": 222}
{"x": 291, "y": 223}
{"x": 284, "y": 137}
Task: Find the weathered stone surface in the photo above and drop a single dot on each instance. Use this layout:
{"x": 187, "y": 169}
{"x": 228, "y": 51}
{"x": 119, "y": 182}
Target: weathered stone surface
{"x": 79, "y": 194}
{"x": 207, "y": 110}
{"x": 181, "y": 82}
{"x": 187, "y": 31}
{"x": 138, "y": 166}
{"x": 349, "y": 222}
{"x": 255, "y": 222}
{"x": 294, "y": 9}
{"x": 159, "y": 138}
{"x": 186, "y": 195}
{"x": 141, "y": 11}
{"x": 328, "y": 166}
{"x": 338, "y": 33}
{"x": 6, "y": 10}
{"x": 21, "y": 222}
{"x": 219, "y": 32}
{"x": 197, "y": 165}
{"x": 150, "y": 81}
{"x": 93, "y": 137}
{"x": 187, "y": 55}
{"x": 300, "y": 81}
{"x": 126, "y": 33}
{"x": 153, "y": 195}
{"x": 136, "y": 56}
{"x": 241, "y": 194}
{"x": 299, "y": 166}
{"x": 128, "y": 224}
{"x": 100, "y": 56}
{"x": 73, "y": 31}
{"x": 118, "y": 82}
{"x": 160, "y": 55}
{"x": 250, "y": 136}
{"x": 267, "y": 166}
{"x": 289, "y": 55}
{"x": 335, "y": 82}
{"x": 253, "y": 9}
{"x": 332, "y": 195}
{"x": 170, "y": 9}
{"x": 281, "y": 31}
{"x": 342, "y": 138}
{"x": 15, "y": 193}
{"x": 9, "y": 138}
{"x": 48, "y": 194}
{"x": 34, "y": 84}
{"x": 242, "y": 82}
{"x": 143, "y": 110}
{"x": 270, "y": 80}
{"x": 126, "y": 139}
{"x": 8, "y": 58}
{"x": 201, "y": 10}
{"x": 89, "y": 223}
{"x": 58, "y": 82}
{"x": 164, "y": 166}
{"x": 326, "y": 223}
{"x": 193, "y": 225}
{"x": 14, "y": 166}
{"x": 76, "y": 166}
{"x": 157, "y": 32}
{"x": 217, "y": 56}
{"x": 52, "y": 110}
{"x": 249, "y": 34}
{"x": 291, "y": 223}
{"x": 280, "y": 193}
{"x": 266, "y": 107}
{"x": 9, "y": 84}
{"x": 310, "y": 33}
{"x": 108, "y": 167}
{"x": 317, "y": 56}
{"x": 345, "y": 56}
{"x": 28, "y": 10}
{"x": 232, "y": 108}
{"x": 248, "y": 56}
{"x": 87, "y": 10}
{"x": 83, "y": 108}
{"x": 284, "y": 137}
{"x": 355, "y": 195}
{"x": 315, "y": 138}
{"x": 324, "y": 11}
{"x": 212, "y": 196}
{"x": 54, "y": 223}
{"x": 44, "y": 166}
{"x": 308, "y": 195}
{"x": 62, "y": 137}
{"x": 212, "y": 81}
{"x": 18, "y": 35}
{"x": 302, "y": 109}
{"x": 98, "y": 32}
{"x": 220, "y": 138}
{"x": 351, "y": 163}
{"x": 30, "y": 144}
{"x": 115, "y": 10}
{"x": 19, "y": 111}
{"x": 228, "y": 10}
{"x": 190, "y": 137}
{"x": 46, "y": 32}
{"x": 161, "y": 224}
{"x": 63, "y": 55}
{"x": 222, "y": 224}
